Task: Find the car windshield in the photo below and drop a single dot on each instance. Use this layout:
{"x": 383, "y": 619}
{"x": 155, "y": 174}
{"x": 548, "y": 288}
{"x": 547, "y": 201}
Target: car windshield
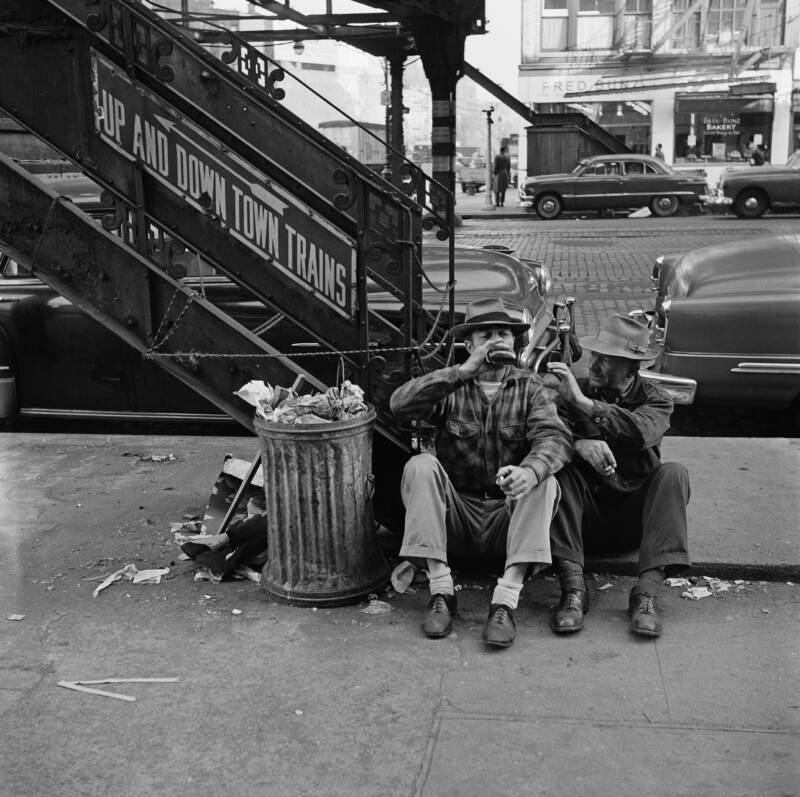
{"x": 579, "y": 167}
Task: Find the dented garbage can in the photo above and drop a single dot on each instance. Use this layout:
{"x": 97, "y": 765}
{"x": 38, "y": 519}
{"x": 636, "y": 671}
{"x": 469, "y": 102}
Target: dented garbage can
{"x": 322, "y": 542}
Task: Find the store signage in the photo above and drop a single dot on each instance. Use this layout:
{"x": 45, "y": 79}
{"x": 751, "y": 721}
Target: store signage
{"x": 265, "y": 217}
{"x": 722, "y": 124}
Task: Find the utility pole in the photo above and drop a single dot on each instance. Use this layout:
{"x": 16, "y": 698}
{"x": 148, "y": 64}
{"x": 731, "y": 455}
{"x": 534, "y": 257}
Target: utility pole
{"x": 488, "y": 203}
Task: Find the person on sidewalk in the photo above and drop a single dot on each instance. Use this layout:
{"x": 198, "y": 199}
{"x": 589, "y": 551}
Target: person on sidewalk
{"x": 616, "y": 494}
{"x": 502, "y": 177}
{"x": 659, "y": 153}
{"x": 489, "y": 492}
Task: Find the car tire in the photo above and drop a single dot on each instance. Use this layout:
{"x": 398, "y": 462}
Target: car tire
{"x": 549, "y": 206}
{"x": 664, "y": 206}
{"x": 750, "y": 204}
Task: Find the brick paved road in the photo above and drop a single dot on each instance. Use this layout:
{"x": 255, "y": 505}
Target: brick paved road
{"x": 606, "y": 264}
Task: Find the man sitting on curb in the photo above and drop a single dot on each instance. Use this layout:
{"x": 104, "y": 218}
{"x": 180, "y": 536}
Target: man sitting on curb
{"x": 616, "y": 494}
{"x": 489, "y": 491}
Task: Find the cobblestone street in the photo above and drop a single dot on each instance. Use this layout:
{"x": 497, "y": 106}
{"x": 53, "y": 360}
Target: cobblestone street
{"x": 606, "y": 265}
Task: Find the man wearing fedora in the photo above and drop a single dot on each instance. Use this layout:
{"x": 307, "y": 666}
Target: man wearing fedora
{"x": 616, "y": 494}
{"x": 489, "y": 492}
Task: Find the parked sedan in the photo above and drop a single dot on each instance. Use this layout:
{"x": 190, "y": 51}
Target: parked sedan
{"x": 57, "y": 361}
{"x": 728, "y": 316}
{"x": 608, "y": 182}
{"x": 751, "y": 191}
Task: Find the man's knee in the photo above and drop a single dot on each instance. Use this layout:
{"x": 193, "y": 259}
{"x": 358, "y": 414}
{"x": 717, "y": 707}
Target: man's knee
{"x": 421, "y": 466}
{"x": 674, "y": 473}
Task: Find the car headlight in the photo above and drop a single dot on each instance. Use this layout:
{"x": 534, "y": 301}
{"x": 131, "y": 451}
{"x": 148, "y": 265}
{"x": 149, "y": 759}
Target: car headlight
{"x": 540, "y": 279}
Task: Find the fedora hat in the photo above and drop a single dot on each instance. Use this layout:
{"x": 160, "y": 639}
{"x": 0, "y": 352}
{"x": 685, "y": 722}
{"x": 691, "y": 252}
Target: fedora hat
{"x": 487, "y": 314}
{"x": 624, "y": 337}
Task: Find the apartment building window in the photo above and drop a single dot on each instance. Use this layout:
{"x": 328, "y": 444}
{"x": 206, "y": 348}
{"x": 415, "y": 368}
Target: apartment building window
{"x": 637, "y": 24}
{"x": 555, "y": 25}
{"x": 720, "y": 23}
{"x": 595, "y": 29}
{"x": 766, "y": 29}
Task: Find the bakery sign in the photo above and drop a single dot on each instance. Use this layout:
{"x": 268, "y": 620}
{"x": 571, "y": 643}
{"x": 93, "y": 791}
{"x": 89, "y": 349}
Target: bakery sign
{"x": 288, "y": 237}
{"x": 722, "y": 124}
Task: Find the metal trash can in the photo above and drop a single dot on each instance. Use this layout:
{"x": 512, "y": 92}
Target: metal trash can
{"x": 322, "y": 542}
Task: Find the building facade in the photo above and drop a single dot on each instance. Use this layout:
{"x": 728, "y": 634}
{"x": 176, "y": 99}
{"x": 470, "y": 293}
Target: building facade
{"x": 706, "y": 79}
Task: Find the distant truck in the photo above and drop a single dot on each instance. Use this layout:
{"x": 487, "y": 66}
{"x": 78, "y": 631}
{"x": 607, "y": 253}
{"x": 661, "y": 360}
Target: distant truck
{"x": 471, "y": 174}
{"x": 357, "y": 141}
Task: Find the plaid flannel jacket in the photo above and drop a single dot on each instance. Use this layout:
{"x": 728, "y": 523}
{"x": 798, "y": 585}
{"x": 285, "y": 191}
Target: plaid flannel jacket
{"x": 475, "y": 436}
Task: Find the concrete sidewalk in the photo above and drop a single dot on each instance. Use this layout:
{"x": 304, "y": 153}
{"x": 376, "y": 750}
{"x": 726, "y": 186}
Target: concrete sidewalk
{"x": 277, "y": 700}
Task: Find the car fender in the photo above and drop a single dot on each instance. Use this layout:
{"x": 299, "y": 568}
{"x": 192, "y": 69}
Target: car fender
{"x": 8, "y": 377}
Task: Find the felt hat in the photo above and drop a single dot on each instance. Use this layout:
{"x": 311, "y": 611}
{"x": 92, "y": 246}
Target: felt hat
{"x": 622, "y": 336}
{"x": 487, "y": 314}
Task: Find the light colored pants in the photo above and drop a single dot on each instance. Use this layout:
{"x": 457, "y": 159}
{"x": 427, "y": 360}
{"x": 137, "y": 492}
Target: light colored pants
{"x": 439, "y": 520}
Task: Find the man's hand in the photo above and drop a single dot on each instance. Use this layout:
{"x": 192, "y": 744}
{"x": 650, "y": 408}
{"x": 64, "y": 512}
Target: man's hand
{"x": 598, "y": 455}
{"x": 476, "y": 361}
{"x": 567, "y": 384}
{"x": 515, "y": 481}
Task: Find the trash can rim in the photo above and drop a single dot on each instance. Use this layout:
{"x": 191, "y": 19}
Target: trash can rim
{"x": 356, "y": 420}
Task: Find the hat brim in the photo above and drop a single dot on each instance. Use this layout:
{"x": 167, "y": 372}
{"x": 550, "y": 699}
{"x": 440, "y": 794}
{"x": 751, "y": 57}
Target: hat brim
{"x": 460, "y": 331}
{"x": 610, "y": 350}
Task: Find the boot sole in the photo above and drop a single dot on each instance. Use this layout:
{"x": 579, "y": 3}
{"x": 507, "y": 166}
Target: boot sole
{"x": 438, "y": 635}
{"x": 558, "y": 630}
{"x": 498, "y": 644}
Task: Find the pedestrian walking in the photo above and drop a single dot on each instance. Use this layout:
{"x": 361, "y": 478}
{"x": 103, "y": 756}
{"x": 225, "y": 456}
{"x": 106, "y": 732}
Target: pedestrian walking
{"x": 659, "y": 153}
{"x": 502, "y": 176}
{"x": 489, "y": 492}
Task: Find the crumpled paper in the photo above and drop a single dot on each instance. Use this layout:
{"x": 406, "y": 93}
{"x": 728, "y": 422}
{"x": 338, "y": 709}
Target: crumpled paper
{"x": 376, "y": 607}
{"x": 134, "y": 575}
{"x": 283, "y": 405}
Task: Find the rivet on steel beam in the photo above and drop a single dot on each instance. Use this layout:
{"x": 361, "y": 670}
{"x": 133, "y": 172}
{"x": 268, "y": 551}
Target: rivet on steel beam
{"x": 130, "y": 321}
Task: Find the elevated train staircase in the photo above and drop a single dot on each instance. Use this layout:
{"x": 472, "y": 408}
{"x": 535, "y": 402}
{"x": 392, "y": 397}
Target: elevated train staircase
{"x": 197, "y": 153}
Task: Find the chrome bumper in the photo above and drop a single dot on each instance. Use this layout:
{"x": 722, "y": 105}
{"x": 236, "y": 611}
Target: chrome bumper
{"x": 715, "y": 199}
{"x": 680, "y": 389}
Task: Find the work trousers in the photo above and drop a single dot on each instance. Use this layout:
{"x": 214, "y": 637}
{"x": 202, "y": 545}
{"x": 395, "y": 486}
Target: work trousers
{"x": 441, "y": 521}
{"x": 601, "y": 520}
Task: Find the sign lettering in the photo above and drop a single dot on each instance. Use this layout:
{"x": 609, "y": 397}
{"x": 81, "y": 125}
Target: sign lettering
{"x": 261, "y": 214}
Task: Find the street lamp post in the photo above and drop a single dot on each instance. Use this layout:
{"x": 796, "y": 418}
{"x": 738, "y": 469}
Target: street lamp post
{"x": 488, "y": 204}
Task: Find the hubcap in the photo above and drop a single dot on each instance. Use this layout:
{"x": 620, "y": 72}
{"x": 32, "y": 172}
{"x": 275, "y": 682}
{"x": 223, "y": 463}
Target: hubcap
{"x": 665, "y": 203}
{"x": 548, "y": 206}
{"x": 751, "y": 203}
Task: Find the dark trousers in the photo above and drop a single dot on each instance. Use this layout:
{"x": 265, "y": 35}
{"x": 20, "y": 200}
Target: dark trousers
{"x": 652, "y": 517}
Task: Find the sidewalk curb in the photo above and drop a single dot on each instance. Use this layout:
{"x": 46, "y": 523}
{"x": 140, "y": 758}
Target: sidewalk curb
{"x": 726, "y": 570}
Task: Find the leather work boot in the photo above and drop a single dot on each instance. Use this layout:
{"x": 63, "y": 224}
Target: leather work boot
{"x": 568, "y": 616}
{"x": 500, "y": 629}
{"x": 643, "y": 611}
{"x": 438, "y": 621}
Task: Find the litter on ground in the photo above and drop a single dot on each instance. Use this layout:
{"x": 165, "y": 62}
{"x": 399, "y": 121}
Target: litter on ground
{"x": 134, "y": 575}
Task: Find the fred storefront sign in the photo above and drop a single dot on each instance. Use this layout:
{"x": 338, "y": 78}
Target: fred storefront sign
{"x": 260, "y": 214}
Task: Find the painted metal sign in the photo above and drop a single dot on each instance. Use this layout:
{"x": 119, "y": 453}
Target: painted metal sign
{"x": 286, "y": 234}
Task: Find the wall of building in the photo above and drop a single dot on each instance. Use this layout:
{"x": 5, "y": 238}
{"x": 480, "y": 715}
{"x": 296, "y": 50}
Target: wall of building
{"x": 619, "y": 64}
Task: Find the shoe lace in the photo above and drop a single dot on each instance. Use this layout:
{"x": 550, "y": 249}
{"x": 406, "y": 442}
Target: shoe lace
{"x": 573, "y": 600}
{"x": 439, "y": 604}
{"x": 647, "y": 603}
{"x": 502, "y": 616}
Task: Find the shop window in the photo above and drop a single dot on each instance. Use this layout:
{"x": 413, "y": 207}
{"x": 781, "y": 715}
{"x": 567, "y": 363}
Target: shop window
{"x": 719, "y": 129}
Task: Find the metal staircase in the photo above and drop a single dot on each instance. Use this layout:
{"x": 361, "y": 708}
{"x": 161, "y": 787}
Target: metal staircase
{"x": 197, "y": 153}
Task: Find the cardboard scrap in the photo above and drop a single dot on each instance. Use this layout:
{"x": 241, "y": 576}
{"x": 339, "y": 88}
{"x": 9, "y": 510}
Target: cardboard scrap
{"x": 696, "y": 593}
{"x": 133, "y": 574}
{"x": 402, "y": 576}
